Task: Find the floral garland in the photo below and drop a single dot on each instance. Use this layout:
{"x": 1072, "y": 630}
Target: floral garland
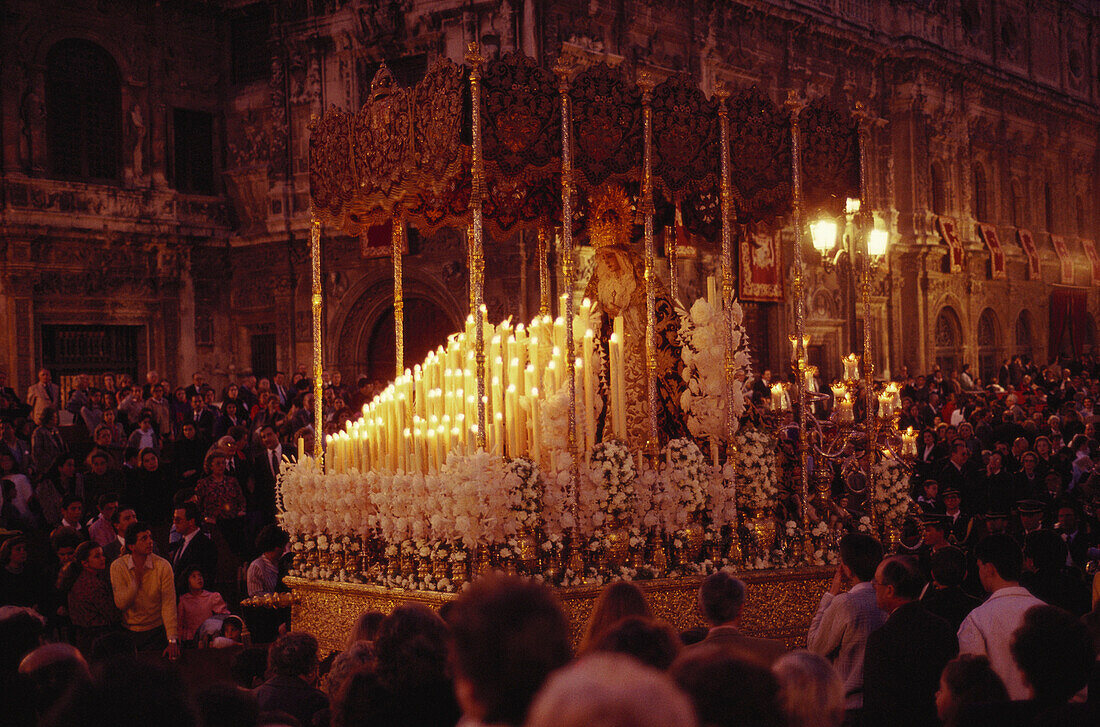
{"x": 757, "y": 471}
{"x": 702, "y": 332}
{"x": 890, "y": 483}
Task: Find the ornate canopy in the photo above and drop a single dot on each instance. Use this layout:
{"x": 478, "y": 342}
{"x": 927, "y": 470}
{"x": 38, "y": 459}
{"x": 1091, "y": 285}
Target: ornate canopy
{"x": 406, "y": 153}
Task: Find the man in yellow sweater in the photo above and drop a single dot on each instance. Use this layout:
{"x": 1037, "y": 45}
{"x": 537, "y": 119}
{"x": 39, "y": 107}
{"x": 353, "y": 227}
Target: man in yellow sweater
{"x": 145, "y": 592}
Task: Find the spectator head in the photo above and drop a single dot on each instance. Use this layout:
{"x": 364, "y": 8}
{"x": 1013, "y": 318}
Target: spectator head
{"x": 948, "y": 566}
{"x": 186, "y": 518}
{"x": 810, "y": 691}
{"x": 107, "y": 504}
{"x": 728, "y": 691}
{"x": 149, "y": 459}
{"x": 248, "y": 667}
{"x": 97, "y": 461}
{"x": 232, "y": 627}
{"x": 721, "y": 597}
{"x": 47, "y": 417}
{"x": 1031, "y": 514}
{"x": 611, "y": 690}
{"x": 1045, "y": 551}
{"x": 508, "y": 635}
{"x": 358, "y": 656}
{"x": 999, "y": 561}
{"x": 72, "y": 508}
{"x": 188, "y": 429}
{"x": 1054, "y": 652}
{"x": 269, "y": 438}
{"x": 271, "y": 539}
{"x": 366, "y": 627}
{"x": 860, "y": 555}
{"x": 934, "y": 528}
{"x": 190, "y": 579}
{"x": 650, "y": 641}
{"x": 616, "y": 601}
{"x": 184, "y": 494}
{"x": 51, "y": 670}
{"x": 63, "y": 543}
{"x": 294, "y": 655}
{"x": 128, "y": 693}
{"x": 227, "y": 705}
{"x": 122, "y": 518}
{"x": 1068, "y": 517}
{"x": 13, "y": 552}
{"x": 411, "y": 648}
{"x": 139, "y": 538}
{"x": 214, "y": 462}
{"x": 897, "y": 582}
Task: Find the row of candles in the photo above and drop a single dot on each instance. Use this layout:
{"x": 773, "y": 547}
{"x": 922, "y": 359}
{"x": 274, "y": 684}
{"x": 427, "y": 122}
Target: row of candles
{"x": 432, "y": 409}
{"x": 889, "y": 401}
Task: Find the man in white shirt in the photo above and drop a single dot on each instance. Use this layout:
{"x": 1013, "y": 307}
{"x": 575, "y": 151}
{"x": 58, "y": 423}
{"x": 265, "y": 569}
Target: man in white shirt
{"x": 843, "y": 621}
{"x": 988, "y": 629}
{"x": 72, "y": 512}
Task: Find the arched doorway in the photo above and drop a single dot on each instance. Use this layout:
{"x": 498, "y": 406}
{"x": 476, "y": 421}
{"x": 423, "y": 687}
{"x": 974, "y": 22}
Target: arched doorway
{"x": 426, "y": 327}
{"x": 1023, "y": 335}
{"x": 948, "y": 340}
{"x": 989, "y": 335}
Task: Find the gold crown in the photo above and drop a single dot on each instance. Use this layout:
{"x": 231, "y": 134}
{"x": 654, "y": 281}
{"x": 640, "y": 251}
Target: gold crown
{"x": 610, "y": 216}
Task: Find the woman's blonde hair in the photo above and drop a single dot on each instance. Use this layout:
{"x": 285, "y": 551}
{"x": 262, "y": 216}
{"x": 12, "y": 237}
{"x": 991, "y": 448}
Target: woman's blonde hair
{"x": 810, "y": 690}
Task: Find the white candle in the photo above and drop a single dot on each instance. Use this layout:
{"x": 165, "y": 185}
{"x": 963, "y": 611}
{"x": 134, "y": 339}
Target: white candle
{"x": 845, "y": 413}
{"x": 779, "y": 394}
{"x": 589, "y": 389}
{"x": 301, "y": 449}
{"x": 909, "y": 443}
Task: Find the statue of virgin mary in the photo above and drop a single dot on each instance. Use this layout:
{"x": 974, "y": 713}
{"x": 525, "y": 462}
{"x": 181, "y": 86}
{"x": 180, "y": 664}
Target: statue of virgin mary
{"x": 617, "y": 288}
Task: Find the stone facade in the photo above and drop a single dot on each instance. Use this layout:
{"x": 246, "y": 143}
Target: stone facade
{"x": 985, "y": 112}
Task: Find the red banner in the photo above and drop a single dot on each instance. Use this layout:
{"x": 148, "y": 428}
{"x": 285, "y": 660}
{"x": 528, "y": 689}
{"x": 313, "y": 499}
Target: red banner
{"x": 761, "y": 265}
{"x": 1094, "y": 259}
{"x": 950, "y": 234}
{"x": 996, "y": 254}
{"x": 1027, "y": 242}
{"x": 1066, "y": 261}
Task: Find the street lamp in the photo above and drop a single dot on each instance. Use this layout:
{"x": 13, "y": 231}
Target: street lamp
{"x": 823, "y": 234}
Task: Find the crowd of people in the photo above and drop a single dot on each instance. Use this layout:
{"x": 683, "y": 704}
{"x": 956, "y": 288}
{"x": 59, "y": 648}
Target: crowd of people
{"x": 136, "y": 518}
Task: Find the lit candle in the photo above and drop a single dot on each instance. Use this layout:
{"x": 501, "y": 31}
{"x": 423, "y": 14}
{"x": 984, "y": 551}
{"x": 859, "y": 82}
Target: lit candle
{"x": 330, "y": 454}
{"x": 851, "y": 366}
{"x": 536, "y": 437}
{"x": 845, "y": 413}
{"x": 794, "y": 345}
{"x": 909, "y": 443}
{"x": 301, "y": 449}
{"x": 808, "y": 375}
{"x": 885, "y": 405}
{"x": 779, "y": 397}
{"x": 839, "y": 390}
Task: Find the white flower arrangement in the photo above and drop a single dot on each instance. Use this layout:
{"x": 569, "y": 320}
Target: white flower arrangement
{"x": 757, "y": 471}
{"x": 702, "y": 332}
{"x": 611, "y": 469}
{"x": 890, "y": 485}
{"x": 685, "y": 481}
{"x": 524, "y": 479}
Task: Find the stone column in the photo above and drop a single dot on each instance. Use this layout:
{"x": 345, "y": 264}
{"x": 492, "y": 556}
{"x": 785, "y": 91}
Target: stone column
{"x": 283, "y": 290}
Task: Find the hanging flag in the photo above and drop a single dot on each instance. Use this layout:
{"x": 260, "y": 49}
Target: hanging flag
{"x": 1062, "y": 250}
{"x": 1027, "y": 242}
{"x": 996, "y": 254}
{"x": 1094, "y": 259}
{"x": 761, "y": 277}
{"x": 950, "y": 234}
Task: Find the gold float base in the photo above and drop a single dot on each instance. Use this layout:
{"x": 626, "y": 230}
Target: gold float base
{"x": 780, "y": 604}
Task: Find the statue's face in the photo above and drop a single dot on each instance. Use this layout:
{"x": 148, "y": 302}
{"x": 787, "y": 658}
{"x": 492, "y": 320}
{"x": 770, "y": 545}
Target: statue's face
{"x": 616, "y": 283}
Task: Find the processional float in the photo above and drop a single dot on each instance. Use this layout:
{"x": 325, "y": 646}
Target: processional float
{"x": 545, "y": 447}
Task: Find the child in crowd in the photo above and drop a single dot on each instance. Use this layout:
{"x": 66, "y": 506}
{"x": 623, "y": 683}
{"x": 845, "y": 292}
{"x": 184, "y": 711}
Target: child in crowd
{"x": 196, "y": 604}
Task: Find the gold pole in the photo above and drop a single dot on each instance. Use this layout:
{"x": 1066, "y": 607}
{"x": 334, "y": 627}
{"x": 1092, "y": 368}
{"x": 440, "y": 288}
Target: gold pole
{"x": 544, "y": 272}
{"x": 477, "y": 193}
{"x": 645, "y": 82}
{"x": 563, "y": 69}
{"x": 397, "y": 238}
{"x": 865, "y": 298}
{"x": 726, "y": 191}
{"x": 794, "y": 105}
{"x": 317, "y": 304}
{"x": 726, "y": 199}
